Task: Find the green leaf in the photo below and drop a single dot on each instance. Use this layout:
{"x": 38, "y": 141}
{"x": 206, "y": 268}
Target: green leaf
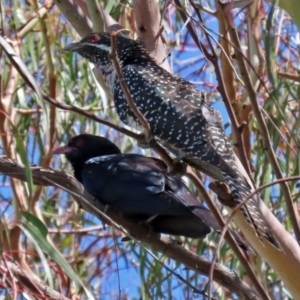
{"x": 40, "y": 252}
{"x": 292, "y": 8}
{"x": 23, "y": 155}
{"x": 37, "y": 223}
{"x": 27, "y": 77}
{"x": 109, "y": 6}
{"x": 39, "y": 232}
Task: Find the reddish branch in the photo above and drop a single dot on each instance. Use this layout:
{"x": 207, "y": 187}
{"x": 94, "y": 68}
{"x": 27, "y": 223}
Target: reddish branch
{"x": 19, "y": 279}
{"x": 264, "y": 131}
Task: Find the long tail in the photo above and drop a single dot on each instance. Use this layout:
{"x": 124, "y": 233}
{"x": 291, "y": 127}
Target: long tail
{"x": 241, "y": 190}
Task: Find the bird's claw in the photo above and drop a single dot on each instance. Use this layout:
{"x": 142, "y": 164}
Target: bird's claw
{"x": 178, "y": 168}
{"x": 174, "y": 242}
{"x": 224, "y": 194}
{"x": 145, "y": 141}
{"x": 125, "y": 239}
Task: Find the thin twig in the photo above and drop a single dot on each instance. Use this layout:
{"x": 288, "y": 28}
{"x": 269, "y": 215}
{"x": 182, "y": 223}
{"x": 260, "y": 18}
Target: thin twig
{"x": 125, "y": 89}
{"x": 230, "y": 240}
{"x": 264, "y": 132}
{"x": 267, "y": 251}
{"x": 257, "y": 190}
{"x": 237, "y": 208}
{"x": 278, "y": 131}
{"x": 32, "y": 285}
{"x": 51, "y": 136}
{"x": 91, "y": 116}
{"x": 153, "y": 145}
{"x": 213, "y": 59}
{"x": 147, "y": 130}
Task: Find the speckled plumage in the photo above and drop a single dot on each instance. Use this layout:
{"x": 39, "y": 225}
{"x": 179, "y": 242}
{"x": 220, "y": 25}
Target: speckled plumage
{"x": 178, "y": 115}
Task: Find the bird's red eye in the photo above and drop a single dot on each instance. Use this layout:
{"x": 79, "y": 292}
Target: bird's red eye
{"x": 79, "y": 142}
{"x": 94, "y": 38}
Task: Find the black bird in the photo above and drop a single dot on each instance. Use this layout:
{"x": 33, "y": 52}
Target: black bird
{"x": 138, "y": 187}
{"x": 178, "y": 115}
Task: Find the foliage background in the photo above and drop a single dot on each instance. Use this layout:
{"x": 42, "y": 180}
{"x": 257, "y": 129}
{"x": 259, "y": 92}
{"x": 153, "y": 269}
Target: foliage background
{"x": 108, "y": 267}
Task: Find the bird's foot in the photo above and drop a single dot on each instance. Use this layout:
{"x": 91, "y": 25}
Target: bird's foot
{"x": 178, "y": 168}
{"x": 145, "y": 141}
{"x": 103, "y": 224}
{"x": 125, "y": 239}
{"x": 224, "y": 193}
{"x": 174, "y": 242}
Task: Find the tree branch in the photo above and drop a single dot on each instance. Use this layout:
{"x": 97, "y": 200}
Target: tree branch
{"x": 21, "y": 281}
{"x": 149, "y": 29}
{"x": 264, "y": 130}
{"x": 41, "y": 176}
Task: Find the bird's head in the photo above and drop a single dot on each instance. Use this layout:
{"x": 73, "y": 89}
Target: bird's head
{"x": 96, "y": 48}
{"x": 83, "y": 147}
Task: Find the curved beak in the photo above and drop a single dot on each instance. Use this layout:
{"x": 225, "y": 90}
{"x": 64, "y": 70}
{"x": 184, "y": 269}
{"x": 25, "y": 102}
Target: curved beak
{"x": 62, "y": 150}
{"x": 74, "y": 47}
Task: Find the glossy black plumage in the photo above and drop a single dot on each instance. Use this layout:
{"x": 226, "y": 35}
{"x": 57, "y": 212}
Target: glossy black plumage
{"x": 178, "y": 115}
{"x": 138, "y": 187}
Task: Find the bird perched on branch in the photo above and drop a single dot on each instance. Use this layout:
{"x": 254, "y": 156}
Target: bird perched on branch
{"x": 138, "y": 187}
{"x": 177, "y": 113}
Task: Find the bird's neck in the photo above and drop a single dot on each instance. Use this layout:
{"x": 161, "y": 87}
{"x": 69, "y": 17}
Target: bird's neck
{"x": 109, "y": 74}
{"x": 130, "y": 55}
{"x": 78, "y": 167}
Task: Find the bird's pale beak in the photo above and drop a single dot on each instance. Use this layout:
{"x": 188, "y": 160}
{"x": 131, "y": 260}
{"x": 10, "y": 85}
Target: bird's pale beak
{"x": 62, "y": 150}
{"x": 74, "y": 47}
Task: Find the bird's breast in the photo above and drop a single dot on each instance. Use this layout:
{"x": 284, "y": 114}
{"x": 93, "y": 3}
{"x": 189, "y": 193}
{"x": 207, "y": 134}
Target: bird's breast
{"x": 109, "y": 75}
